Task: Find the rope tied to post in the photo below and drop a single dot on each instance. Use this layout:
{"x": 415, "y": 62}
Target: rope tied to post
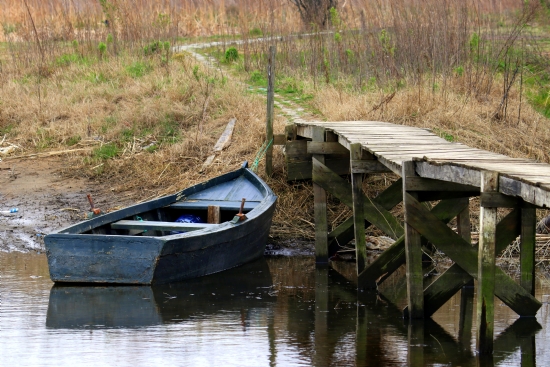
{"x": 260, "y": 155}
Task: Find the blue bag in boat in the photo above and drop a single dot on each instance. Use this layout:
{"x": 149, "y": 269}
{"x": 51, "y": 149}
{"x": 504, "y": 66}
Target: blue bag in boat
{"x": 187, "y": 218}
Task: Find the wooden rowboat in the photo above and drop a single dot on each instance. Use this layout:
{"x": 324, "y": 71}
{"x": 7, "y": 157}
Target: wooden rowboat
{"x": 142, "y": 244}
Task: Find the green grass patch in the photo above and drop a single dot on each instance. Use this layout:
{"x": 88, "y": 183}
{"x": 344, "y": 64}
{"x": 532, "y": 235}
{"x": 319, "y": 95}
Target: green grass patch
{"x": 68, "y": 59}
{"x": 96, "y": 78}
{"x": 139, "y": 69}
{"x": 170, "y": 130}
{"x": 445, "y": 135}
{"x": 109, "y": 122}
{"x": 6, "y": 129}
{"x": 258, "y": 78}
{"x": 127, "y": 135}
{"x": 106, "y": 151}
{"x": 73, "y": 140}
{"x": 256, "y": 32}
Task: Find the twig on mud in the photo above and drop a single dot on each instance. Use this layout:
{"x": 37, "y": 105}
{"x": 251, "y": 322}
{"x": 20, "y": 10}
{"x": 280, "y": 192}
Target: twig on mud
{"x": 49, "y": 154}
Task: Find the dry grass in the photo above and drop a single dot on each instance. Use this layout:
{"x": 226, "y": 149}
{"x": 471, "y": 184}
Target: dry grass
{"x": 452, "y": 115}
{"x": 163, "y": 113}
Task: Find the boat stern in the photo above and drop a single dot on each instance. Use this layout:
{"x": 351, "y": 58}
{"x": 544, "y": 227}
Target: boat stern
{"x": 102, "y": 259}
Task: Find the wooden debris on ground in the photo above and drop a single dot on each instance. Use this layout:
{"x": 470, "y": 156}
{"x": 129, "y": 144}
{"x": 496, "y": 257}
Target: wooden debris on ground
{"x": 223, "y": 142}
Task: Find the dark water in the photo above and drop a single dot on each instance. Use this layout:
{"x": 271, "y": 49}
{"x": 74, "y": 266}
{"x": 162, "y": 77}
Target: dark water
{"x": 276, "y": 312}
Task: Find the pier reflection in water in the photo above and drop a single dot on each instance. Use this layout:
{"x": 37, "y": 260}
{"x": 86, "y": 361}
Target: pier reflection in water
{"x": 276, "y": 312}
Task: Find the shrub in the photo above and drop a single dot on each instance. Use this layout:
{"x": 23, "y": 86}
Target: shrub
{"x": 231, "y": 54}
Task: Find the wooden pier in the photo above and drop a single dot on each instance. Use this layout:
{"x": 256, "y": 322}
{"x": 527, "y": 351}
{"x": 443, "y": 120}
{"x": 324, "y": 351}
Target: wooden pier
{"x": 431, "y": 169}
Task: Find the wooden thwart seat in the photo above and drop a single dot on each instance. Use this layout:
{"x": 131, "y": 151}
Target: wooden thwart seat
{"x": 224, "y": 205}
{"x": 159, "y": 226}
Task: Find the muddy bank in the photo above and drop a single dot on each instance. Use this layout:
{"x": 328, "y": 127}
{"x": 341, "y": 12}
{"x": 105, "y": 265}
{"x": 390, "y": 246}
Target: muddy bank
{"x": 48, "y": 201}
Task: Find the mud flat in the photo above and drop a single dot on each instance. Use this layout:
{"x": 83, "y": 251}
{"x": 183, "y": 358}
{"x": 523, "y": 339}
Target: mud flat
{"x": 46, "y": 201}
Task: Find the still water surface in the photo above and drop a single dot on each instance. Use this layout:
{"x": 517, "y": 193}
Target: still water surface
{"x": 275, "y": 312}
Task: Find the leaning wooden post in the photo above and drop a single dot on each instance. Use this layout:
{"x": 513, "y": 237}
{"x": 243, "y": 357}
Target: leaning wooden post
{"x": 270, "y": 102}
{"x": 320, "y": 207}
{"x": 413, "y": 252}
{"x": 527, "y": 249}
{"x": 486, "y": 266}
{"x": 358, "y": 212}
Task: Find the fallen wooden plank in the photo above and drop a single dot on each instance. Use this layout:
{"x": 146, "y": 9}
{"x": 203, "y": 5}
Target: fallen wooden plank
{"x": 223, "y": 142}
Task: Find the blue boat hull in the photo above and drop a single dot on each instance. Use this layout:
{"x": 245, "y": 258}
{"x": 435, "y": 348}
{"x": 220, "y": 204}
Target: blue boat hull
{"x": 103, "y": 250}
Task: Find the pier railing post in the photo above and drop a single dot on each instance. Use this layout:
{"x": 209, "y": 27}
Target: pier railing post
{"x": 358, "y": 212}
{"x": 320, "y": 208}
{"x": 413, "y": 251}
{"x": 486, "y": 266}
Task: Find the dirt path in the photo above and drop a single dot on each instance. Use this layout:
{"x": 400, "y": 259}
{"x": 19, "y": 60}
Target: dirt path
{"x": 46, "y": 201}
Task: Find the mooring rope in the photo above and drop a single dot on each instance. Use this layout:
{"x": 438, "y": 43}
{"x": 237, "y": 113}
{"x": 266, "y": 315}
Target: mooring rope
{"x": 260, "y": 155}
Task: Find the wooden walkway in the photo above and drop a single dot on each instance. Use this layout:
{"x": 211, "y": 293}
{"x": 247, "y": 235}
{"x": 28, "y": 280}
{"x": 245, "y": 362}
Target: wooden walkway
{"x": 431, "y": 169}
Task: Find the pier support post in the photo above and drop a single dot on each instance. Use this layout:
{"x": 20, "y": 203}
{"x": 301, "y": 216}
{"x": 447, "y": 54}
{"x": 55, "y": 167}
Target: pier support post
{"x": 413, "y": 252}
{"x": 527, "y": 247}
{"x": 358, "y": 213}
{"x": 321, "y": 315}
{"x": 415, "y": 343}
{"x": 486, "y": 267}
{"x": 320, "y": 207}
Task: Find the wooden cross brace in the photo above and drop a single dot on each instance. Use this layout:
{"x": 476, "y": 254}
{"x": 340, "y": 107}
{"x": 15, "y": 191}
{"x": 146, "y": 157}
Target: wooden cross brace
{"x": 465, "y": 257}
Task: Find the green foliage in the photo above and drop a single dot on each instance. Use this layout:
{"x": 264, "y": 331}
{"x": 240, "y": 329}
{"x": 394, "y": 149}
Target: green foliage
{"x": 127, "y": 135}
{"x": 337, "y": 37}
{"x": 96, "y": 78}
{"x": 138, "y": 69}
{"x": 540, "y": 99}
{"x": 256, "y": 32}
{"x": 45, "y": 140}
{"x": 74, "y": 43}
{"x": 258, "y": 78}
{"x": 459, "y": 70}
{"x": 386, "y": 42}
{"x": 196, "y": 73}
{"x": 106, "y": 151}
{"x": 350, "y": 55}
{"x": 152, "y": 148}
{"x": 8, "y": 28}
{"x": 166, "y": 46}
{"x": 162, "y": 21}
{"x": 67, "y": 59}
{"x": 335, "y": 17}
{"x": 102, "y": 47}
{"x": 169, "y": 129}
{"x": 73, "y": 140}
{"x": 474, "y": 42}
{"x": 109, "y": 38}
{"x": 231, "y": 54}
{"x": 444, "y": 135}
{"x": 152, "y": 48}
{"x": 6, "y": 129}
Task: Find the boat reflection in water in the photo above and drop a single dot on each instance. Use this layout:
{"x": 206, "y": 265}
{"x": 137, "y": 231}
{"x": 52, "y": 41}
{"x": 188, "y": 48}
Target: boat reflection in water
{"x": 242, "y": 288}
